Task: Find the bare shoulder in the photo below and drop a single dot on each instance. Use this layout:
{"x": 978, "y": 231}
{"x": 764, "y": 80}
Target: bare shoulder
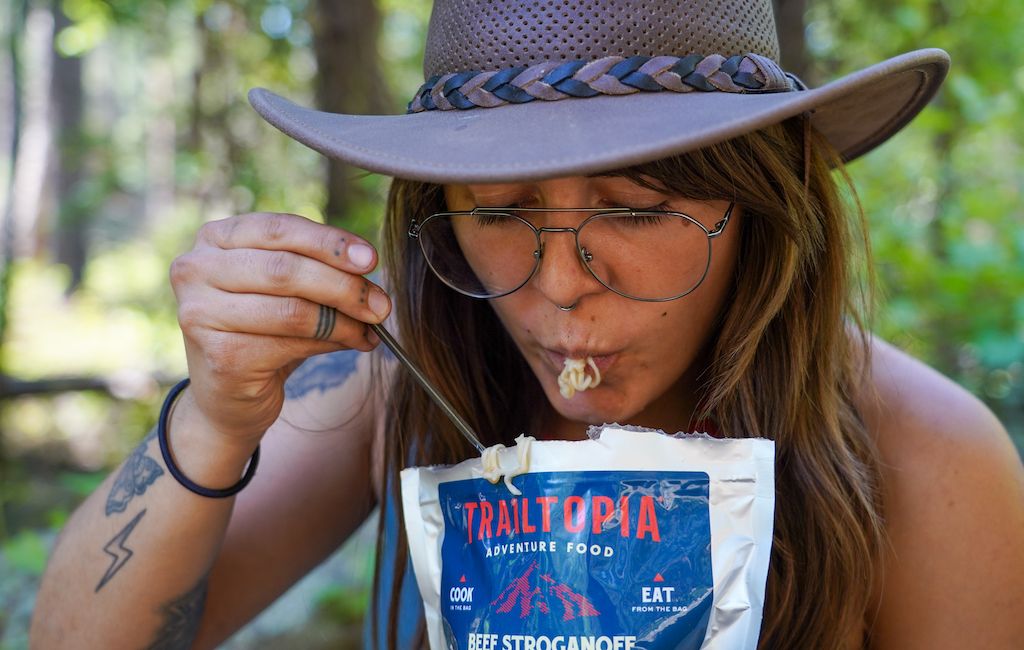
{"x": 953, "y": 485}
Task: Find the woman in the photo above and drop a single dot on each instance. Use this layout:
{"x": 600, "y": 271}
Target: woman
{"x": 899, "y": 519}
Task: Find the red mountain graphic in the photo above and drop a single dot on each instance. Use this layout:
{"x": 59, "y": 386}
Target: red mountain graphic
{"x": 658, "y": 578}
{"x": 522, "y": 592}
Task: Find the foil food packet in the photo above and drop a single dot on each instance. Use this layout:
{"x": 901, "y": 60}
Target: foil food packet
{"x": 631, "y": 539}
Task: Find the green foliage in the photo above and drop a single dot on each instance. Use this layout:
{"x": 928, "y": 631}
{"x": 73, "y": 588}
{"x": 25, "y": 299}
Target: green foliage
{"x": 81, "y": 484}
{"x": 343, "y": 605}
{"x": 26, "y": 552}
{"x": 123, "y": 316}
{"x": 944, "y": 196}
{"x": 404, "y": 29}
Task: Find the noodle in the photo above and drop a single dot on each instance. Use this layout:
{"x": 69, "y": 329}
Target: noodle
{"x": 490, "y": 459}
{"x": 574, "y": 376}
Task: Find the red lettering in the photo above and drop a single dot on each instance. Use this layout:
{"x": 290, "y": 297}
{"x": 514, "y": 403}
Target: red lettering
{"x": 602, "y": 507}
{"x": 470, "y": 508}
{"x": 527, "y": 528}
{"x": 504, "y": 521}
{"x": 575, "y": 512}
{"x": 624, "y": 515}
{"x": 545, "y": 513}
{"x": 647, "y": 521}
{"x": 486, "y": 516}
{"x": 574, "y": 524}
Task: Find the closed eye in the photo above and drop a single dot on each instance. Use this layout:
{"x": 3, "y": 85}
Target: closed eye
{"x": 644, "y": 219}
{"x": 647, "y": 216}
{"x": 495, "y": 216}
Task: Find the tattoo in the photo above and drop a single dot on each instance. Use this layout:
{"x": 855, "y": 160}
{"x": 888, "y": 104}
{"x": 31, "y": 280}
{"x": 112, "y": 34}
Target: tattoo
{"x": 137, "y": 474}
{"x": 322, "y": 372}
{"x": 181, "y": 620}
{"x": 325, "y": 325}
{"x": 119, "y": 553}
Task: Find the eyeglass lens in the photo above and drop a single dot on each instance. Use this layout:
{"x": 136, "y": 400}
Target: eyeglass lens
{"x": 648, "y": 256}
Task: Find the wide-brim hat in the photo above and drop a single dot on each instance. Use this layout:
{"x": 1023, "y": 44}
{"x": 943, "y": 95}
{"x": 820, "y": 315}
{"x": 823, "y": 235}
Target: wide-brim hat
{"x": 531, "y": 89}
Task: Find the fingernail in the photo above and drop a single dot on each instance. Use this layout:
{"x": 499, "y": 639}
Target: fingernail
{"x": 361, "y": 255}
{"x": 379, "y": 303}
{"x": 372, "y": 337}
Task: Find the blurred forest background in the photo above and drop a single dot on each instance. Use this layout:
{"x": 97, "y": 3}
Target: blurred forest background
{"x": 124, "y": 126}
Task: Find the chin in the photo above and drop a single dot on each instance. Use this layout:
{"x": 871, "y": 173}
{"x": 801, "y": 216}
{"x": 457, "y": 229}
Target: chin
{"x": 590, "y": 407}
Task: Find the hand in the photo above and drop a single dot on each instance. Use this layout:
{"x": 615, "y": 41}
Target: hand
{"x": 257, "y": 295}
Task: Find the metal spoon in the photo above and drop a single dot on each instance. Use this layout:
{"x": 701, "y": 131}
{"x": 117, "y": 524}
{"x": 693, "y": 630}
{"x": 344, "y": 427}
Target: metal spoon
{"x": 439, "y": 399}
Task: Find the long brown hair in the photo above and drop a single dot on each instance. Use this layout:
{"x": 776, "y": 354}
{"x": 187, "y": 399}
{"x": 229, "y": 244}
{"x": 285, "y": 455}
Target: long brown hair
{"x": 786, "y": 364}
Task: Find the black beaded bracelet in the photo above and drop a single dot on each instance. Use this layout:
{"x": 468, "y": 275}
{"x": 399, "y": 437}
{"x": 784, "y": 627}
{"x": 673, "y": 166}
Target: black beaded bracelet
{"x": 165, "y": 451}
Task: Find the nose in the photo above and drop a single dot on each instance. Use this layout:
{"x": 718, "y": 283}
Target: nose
{"x": 562, "y": 277}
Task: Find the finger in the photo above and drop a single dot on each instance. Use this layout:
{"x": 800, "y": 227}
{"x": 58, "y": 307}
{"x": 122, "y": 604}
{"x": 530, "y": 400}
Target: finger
{"x": 279, "y": 231}
{"x": 282, "y": 273}
{"x": 240, "y": 354}
{"x": 292, "y": 317}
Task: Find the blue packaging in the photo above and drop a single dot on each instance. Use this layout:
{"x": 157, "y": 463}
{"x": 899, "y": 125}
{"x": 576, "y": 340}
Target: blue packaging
{"x": 633, "y": 539}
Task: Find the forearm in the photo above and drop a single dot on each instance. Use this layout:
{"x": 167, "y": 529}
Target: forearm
{"x": 130, "y": 567}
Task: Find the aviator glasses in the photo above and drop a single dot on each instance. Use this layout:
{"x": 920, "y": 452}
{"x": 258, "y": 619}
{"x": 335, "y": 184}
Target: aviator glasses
{"x": 648, "y": 255}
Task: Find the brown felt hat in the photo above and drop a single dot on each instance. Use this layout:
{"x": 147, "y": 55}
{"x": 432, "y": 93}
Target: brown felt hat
{"x": 531, "y": 89}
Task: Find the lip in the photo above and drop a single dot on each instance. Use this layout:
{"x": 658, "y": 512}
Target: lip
{"x": 557, "y": 356}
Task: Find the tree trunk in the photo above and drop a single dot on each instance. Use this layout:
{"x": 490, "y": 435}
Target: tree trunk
{"x": 349, "y": 81}
{"x": 789, "y": 18}
{"x": 66, "y": 96}
{"x": 16, "y": 14}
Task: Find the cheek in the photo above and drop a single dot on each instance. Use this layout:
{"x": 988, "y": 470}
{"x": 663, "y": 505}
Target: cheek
{"x": 516, "y": 315}
{"x": 675, "y": 333}
{"x": 682, "y": 330}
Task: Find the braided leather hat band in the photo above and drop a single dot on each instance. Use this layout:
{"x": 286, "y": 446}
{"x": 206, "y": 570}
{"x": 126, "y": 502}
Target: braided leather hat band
{"x": 610, "y": 75}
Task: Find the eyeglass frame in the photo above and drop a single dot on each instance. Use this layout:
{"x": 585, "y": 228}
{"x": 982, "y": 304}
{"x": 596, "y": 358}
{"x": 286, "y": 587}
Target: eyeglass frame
{"x": 416, "y": 226}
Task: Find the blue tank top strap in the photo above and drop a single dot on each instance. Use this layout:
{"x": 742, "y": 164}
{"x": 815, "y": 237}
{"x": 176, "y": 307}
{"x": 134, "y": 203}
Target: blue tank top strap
{"x": 410, "y": 605}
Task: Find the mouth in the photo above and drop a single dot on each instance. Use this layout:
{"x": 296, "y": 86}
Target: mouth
{"x": 556, "y": 358}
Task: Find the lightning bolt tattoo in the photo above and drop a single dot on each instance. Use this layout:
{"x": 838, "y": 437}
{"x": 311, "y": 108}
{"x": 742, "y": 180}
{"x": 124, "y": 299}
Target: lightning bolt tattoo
{"x": 116, "y": 549}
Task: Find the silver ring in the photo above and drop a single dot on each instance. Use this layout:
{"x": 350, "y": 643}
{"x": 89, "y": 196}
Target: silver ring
{"x": 325, "y": 324}
{"x": 569, "y": 308}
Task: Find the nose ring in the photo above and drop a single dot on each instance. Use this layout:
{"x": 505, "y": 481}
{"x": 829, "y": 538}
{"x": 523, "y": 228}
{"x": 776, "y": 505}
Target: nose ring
{"x": 569, "y": 308}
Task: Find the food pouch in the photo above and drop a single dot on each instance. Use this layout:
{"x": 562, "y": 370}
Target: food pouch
{"x": 632, "y": 539}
